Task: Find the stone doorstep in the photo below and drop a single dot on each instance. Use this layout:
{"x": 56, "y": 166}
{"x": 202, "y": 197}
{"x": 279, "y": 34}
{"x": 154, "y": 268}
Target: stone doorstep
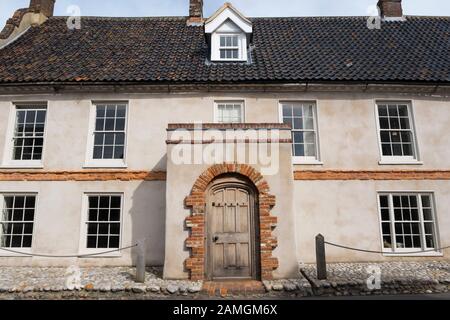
{"x": 238, "y": 287}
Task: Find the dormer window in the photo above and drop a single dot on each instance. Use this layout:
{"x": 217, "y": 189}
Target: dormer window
{"x": 229, "y": 34}
{"x": 229, "y": 47}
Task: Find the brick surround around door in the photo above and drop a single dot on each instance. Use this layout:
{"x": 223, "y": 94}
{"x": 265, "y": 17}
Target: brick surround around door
{"x": 196, "y": 201}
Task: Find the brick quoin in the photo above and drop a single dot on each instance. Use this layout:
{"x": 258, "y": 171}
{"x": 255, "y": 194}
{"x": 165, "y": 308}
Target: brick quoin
{"x": 196, "y": 221}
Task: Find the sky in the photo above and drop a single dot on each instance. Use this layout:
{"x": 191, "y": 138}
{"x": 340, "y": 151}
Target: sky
{"x": 251, "y": 8}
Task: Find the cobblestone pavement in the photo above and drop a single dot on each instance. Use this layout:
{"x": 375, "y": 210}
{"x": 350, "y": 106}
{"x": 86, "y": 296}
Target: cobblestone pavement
{"x": 344, "y": 279}
{"x": 395, "y": 278}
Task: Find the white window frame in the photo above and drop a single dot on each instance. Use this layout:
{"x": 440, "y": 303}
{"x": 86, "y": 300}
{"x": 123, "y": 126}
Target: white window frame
{"x": 83, "y": 249}
{"x": 398, "y": 160}
{"x": 396, "y": 252}
{"x": 21, "y": 251}
{"x": 8, "y": 162}
{"x": 305, "y": 160}
{"x": 215, "y": 46}
{"x": 216, "y": 109}
{"x": 90, "y": 162}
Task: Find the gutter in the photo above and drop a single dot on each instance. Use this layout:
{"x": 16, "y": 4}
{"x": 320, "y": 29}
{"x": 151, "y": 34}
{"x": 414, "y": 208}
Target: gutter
{"x": 138, "y": 87}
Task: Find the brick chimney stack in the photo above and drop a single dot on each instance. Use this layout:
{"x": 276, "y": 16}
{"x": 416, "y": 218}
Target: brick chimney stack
{"x": 46, "y": 7}
{"x": 390, "y": 8}
{"x": 195, "y": 12}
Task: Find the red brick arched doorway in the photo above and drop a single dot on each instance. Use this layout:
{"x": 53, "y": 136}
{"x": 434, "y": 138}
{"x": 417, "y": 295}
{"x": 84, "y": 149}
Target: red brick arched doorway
{"x": 196, "y": 222}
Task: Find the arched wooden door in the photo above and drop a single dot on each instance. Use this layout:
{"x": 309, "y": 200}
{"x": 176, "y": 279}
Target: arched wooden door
{"x": 231, "y": 230}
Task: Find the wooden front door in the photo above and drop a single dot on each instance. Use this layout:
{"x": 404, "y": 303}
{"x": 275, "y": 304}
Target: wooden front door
{"x": 231, "y": 232}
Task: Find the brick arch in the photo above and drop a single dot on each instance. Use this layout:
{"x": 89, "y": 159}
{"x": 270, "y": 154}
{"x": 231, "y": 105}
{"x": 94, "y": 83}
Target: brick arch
{"x": 196, "y": 221}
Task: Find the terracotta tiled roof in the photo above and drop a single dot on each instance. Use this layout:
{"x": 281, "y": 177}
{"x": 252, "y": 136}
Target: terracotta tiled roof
{"x": 166, "y": 50}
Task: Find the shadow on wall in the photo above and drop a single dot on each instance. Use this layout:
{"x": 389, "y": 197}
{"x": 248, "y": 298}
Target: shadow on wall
{"x": 147, "y": 216}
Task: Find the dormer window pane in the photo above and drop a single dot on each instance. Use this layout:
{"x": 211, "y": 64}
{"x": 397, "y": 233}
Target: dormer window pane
{"x": 229, "y": 53}
{"x": 229, "y": 47}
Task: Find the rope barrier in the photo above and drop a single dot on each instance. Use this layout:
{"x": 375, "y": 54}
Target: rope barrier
{"x": 67, "y": 256}
{"x": 384, "y": 252}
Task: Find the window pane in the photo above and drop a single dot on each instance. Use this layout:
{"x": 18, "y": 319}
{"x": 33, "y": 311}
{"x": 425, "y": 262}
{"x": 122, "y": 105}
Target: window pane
{"x": 298, "y": 137}
{"x": 91, "y": 242}
{"x": 298, "y": 123}
{"x": 385, "y": 216}
{"x": 93, "y": 215}
{"x": 120, "y": 124}
{"x": 299, "y": 150}
{"x": 40, "y": 117}
{"x": 109, "y": 125}
{"x": 92, "y": 228}
{"x": 396, "y": 133}
{"x": 115, "y": 202}
{"x": 387, "y": 150}
{"x": 403, "y": 111}
{"x": 98, "y": 152}
{"x": 235, "y": 41}
{"x": 120, "y": 139}
{"x": 298, "y": 111}
{"x": 99, "y": 124}
{"x": 14, "y": 232}
{"x": 121, "y": 111}
{"x": 30, "y": 123}
{"x": 386, "y": 228}
{"x": 109, "y": 139}
{"x": 29, "y": 215}
{"x": 110, "y": 111}
{"x": 310, "y": 150}
{"x": 310, "y": 137}
{"x": 103, "y": 215}
{"x": 385, "y": 137}
{"x": 429, "y": 241}
{"x": 101, "y": 111}
{"x": 114, "y": 228}
{"x": 384, "y": 201}
{"x": 387, "y": 242}
{"x": 303, "y": 134}
{"x": 427, "y": 215}
{"x": 115, "y": 215}
{"x": 114, "y": 242}
{"x": 404, "y": 123}
{"x": 27, "y": 241}
{"x": 384, "y": 123}
{"x": 382, "y": 111}
{"x": 99, "y": 139}
{"x": 407, "y": 150}
{"x": 105, "y": 233}
{"x": 229, "y": 113}
{"x": 118, "y": 152}
{"x": 104, "y": 202}
{"x": 103, "y": 228}
{"x": 393, "y": 111}
{"x": 408, "y": 225}
{"x": 108, "y": 152}
{"x": 102, "y": 242}
{"x": 287, "y": 111}
{"x": 426, "y": 202}
{"x": 397, "y": 149}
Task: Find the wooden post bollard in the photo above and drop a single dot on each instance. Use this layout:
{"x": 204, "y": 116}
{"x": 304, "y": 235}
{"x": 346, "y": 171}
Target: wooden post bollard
{"x": 140, "y": 263}
{"x": 320, "y": 257}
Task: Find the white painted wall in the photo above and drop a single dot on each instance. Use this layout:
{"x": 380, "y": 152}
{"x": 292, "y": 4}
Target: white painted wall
{"x": 59, "y": 217}
{"x": 345, "y": 212}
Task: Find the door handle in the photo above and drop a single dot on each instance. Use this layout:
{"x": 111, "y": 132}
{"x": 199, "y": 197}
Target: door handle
{"x": 215, "y": 238}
